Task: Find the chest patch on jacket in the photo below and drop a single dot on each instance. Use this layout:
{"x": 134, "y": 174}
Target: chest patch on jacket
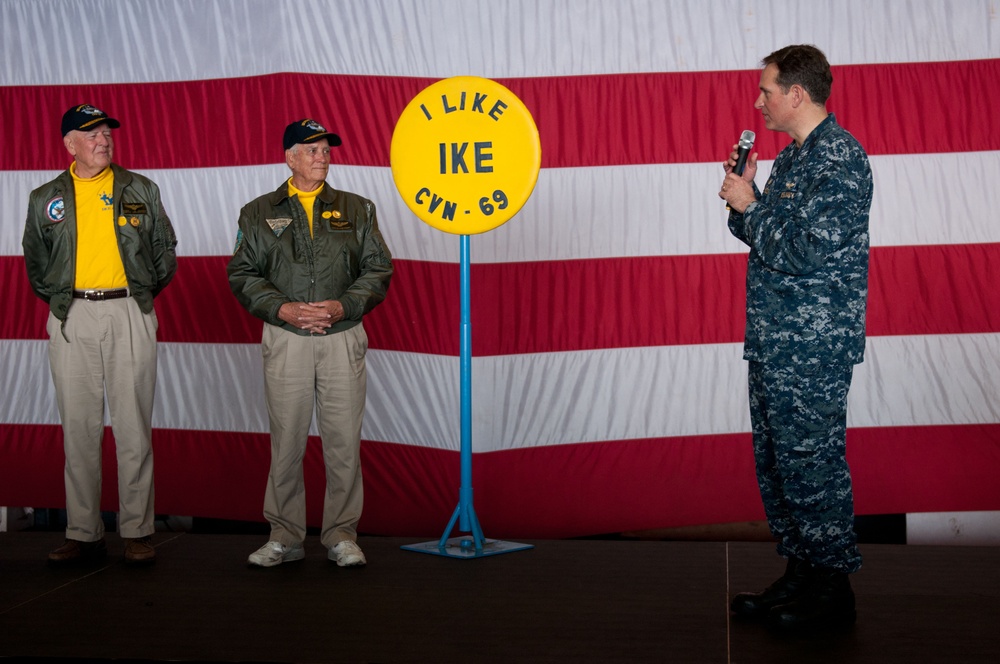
{"x": 279, "y": 225}
{"x": 337, "y": 222}
{"x": 134, "y": 208}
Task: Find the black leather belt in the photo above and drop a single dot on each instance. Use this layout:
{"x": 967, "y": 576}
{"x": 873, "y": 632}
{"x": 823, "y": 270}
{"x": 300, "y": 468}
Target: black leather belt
{"x": 112, "y": 294}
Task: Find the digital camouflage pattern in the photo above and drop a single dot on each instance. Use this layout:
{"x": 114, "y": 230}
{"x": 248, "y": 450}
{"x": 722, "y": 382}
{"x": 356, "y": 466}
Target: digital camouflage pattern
{"x": 807, "y": 291}
{"x": 798, "y": 416}
{"x": 807, "y": 279}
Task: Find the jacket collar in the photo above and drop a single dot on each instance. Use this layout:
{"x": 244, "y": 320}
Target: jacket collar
{"x": 122, "y": 176}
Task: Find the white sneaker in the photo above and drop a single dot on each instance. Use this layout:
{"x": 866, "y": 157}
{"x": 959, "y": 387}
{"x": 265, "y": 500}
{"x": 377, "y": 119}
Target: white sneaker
{"x": 347, "y": 554}
{"x": 275, "y": 553}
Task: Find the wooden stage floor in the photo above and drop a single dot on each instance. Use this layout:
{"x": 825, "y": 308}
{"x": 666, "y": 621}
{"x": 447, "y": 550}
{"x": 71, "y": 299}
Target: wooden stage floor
{"x": 563, "y": 601}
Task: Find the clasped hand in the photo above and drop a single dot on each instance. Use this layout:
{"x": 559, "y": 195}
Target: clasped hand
{"x": 314, "y": 317}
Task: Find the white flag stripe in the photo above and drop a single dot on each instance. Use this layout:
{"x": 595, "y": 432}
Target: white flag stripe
{"x": 673, "y": 209}
{"x": 195, "y": 39}
{"x": 548, "y": 399}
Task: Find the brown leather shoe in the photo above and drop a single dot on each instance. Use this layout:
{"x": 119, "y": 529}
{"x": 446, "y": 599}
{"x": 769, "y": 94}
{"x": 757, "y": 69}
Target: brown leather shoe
{"x": 139, "y": 551}
{"x": 75, "y": 551}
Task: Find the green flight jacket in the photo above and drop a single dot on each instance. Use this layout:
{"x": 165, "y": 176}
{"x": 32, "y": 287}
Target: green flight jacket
{"x": 276, "y": 261}
{"x": 146, "y": 240}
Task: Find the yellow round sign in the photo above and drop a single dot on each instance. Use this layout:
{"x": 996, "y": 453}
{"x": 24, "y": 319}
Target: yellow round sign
{"x": 465, "y": 155}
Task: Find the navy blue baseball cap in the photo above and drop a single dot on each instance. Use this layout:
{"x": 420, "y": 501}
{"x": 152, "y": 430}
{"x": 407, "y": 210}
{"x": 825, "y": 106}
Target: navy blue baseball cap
{"x": 308, "y": 131}
{"x": 85, "y": 117}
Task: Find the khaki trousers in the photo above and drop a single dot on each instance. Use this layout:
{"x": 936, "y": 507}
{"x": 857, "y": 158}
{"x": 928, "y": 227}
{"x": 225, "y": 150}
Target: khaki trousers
{"x": 328, "y": 371}
{"x": 109, "y": 348}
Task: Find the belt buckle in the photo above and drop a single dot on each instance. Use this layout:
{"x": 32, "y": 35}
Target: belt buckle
{"x": 93, "y": 295}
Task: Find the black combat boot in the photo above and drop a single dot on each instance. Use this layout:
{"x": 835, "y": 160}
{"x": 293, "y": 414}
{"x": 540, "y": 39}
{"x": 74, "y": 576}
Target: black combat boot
{"x": 784, "y": 590}
{"x": 827, "y": 602}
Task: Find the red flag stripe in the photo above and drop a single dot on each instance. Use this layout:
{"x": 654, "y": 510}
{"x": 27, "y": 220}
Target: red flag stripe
{"x": 575, "y": 305}
{"x": 600, "y": 487}
{"x": 582, "y": 120}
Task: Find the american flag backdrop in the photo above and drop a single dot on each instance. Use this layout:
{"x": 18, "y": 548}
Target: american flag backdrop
{"x": 609, "y": 393}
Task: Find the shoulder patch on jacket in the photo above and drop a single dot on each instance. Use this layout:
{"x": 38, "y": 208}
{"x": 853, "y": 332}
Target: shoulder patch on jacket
{"x": 56, "y": 209}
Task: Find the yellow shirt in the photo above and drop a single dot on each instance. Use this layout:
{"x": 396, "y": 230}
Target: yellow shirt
{"x": 306, "y": 198}
{"x": 98, "y": 260}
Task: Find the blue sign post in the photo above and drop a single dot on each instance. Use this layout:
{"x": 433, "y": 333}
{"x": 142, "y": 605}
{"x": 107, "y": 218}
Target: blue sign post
{"x": 465, "y": 513}
{"x": 465, "y": 157}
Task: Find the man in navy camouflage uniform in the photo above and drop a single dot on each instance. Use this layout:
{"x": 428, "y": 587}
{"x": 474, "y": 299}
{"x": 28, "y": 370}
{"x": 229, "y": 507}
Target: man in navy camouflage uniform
{"x": 807, "y": 286}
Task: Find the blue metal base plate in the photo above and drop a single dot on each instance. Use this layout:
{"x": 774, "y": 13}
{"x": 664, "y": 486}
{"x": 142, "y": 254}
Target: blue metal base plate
{"x": 465, "y": 547}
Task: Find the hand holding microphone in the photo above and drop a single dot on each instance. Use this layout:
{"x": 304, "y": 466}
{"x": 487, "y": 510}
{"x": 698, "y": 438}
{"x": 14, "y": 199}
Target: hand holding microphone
{"x": 736, "y": 186}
